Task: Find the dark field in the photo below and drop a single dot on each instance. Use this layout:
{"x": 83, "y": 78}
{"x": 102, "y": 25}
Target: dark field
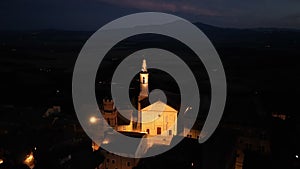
{"x": 261, "y": 65}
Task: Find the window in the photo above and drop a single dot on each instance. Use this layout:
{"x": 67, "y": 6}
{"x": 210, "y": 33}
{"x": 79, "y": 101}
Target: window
{"x": 107, "y": 160}
{"x": 113, "y": 161}
{"x": 158, "y": 130}
{"x": 128, "y": 164}
{"x": 148, "y": 131}
{"x": 170, "y": 132}
{"x": 143, "y": 80}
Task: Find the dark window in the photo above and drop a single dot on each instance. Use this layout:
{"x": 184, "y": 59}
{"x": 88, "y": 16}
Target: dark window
{"x": 113, "y": 161}
{"x": 148, "y": 131}
{"x": 128, "y": 164}
{"x": 143, "y": 80}
{"x": 107, "y": 160}
{"x": 170, "y": 132}
{"x": 158, "y": 131}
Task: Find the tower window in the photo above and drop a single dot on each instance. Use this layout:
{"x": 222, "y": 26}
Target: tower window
{"x": 144, "y": 80}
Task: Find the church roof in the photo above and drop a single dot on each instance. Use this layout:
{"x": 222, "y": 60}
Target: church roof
{"x": 130, "y": 148}
{"x": 156, "y": 110}
{"x": 158, "y": 106}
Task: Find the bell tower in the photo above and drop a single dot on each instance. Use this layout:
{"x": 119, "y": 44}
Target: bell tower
{"x": 144, "y": 81}
{"x": 144, "y": 92}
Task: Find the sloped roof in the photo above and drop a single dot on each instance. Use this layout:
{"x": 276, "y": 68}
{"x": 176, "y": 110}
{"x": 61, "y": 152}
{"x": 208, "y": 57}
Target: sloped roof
{"x": 130, "y": 148}
{"x": 158, "y": 106}
{"x": 155, "y": 111}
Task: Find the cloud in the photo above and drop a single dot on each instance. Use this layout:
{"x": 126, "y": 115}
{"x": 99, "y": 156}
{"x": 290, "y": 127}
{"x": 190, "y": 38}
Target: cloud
{"x": 164, "y": 6}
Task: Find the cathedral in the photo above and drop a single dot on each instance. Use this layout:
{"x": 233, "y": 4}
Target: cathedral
{"x": 153, "y": 119}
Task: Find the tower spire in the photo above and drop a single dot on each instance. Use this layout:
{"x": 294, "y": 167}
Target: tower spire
{"x": 144, "y": 80}
{"x": 144, "y": 66}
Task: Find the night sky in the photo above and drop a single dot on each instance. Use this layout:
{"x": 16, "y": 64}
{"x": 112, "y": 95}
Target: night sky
{"x": 92, "y": 14}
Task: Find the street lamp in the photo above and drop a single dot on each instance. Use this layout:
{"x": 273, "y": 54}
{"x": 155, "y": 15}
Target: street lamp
{"x": 93, "y": 120}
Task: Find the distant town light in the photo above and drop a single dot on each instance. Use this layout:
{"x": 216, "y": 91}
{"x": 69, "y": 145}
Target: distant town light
{"x": 297, "y": 156}
{"x": 34, "y": 148}
{"x": 29, "y": 160}
{"x": 1, "y": 161}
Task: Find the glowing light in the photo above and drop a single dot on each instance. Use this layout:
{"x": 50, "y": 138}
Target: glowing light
{"x": 93, "y": 119}
{"x": 105, "y": 141}
{"x": 29, "y": 160}
{"x": 34, "y": 148}
{"x": 95, "y": 146}
{"x": 1, "y": 161}
{"x": 297, "y": 156}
